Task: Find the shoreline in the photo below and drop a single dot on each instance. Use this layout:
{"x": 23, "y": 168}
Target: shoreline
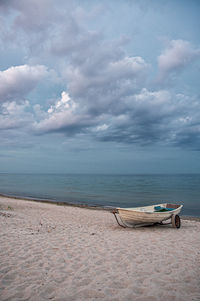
{"x": 92, "y": 207}
{"x": 68, "y": 253}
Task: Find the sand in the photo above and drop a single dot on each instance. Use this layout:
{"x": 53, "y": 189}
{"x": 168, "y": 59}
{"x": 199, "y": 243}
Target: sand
{"x": 51, "y": 252}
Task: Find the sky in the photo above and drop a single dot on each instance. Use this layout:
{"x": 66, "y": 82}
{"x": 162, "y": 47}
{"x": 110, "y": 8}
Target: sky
{"x": 99, "y": 86}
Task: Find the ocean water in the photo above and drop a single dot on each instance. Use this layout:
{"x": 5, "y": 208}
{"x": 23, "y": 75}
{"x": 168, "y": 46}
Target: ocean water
{"x": 107, "y": 190}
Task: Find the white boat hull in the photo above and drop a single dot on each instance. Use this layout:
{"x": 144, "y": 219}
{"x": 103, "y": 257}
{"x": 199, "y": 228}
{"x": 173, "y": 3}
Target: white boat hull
{"x": 147, "y": 215}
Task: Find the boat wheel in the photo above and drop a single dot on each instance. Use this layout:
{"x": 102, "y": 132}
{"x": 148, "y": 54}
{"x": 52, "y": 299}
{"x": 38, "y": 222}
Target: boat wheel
{"x": 176, "y": 221}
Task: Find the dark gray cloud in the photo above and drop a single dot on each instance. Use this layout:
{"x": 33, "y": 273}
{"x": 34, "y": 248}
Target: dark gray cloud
{"x": 153, "y": 117}
{"x": 145, "y": 118}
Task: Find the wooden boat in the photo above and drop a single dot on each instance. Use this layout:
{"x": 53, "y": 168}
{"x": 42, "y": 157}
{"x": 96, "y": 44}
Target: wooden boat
{"x": 148, "y": 215}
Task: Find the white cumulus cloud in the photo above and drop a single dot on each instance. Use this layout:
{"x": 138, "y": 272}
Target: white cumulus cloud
{"x": 16, "y": 82}
{"x": 64, "y": 116}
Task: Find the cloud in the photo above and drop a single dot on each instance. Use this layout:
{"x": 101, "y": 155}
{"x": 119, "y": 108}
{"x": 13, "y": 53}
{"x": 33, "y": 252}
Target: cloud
{"x": 102, "y": 82}
{"x": 34, "y": 15}
{"x": 189, "y": 138}
{"x": 16, "y": 82}
{"x": 72, "y": 39}
{"x": 43, "y": 28}
{"x": 29, "y": 25}
{"x": 65, "y": 116}
{"x": 105, "y": 94}
{"x": 157, "y": 117}
{"x": 146, "y": 118}
{"x": 15, "y": 116}
{"x": 175, "y": 57}
{"x": 96, "y": 87}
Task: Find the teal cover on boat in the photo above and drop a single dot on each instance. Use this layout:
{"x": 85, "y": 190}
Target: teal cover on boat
{"x": 162, "y": 209}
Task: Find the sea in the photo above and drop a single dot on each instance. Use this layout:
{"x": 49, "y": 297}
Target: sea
{"x": 107, "y": 190}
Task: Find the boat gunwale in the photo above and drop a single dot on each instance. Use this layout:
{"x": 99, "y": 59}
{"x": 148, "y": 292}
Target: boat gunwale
{"x": 171, "y": 212}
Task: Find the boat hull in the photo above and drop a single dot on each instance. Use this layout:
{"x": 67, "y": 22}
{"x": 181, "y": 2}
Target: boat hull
{"x": 146, "y": 215}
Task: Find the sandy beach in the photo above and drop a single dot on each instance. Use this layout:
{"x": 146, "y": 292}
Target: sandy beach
{"x": 51, "y": 252}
